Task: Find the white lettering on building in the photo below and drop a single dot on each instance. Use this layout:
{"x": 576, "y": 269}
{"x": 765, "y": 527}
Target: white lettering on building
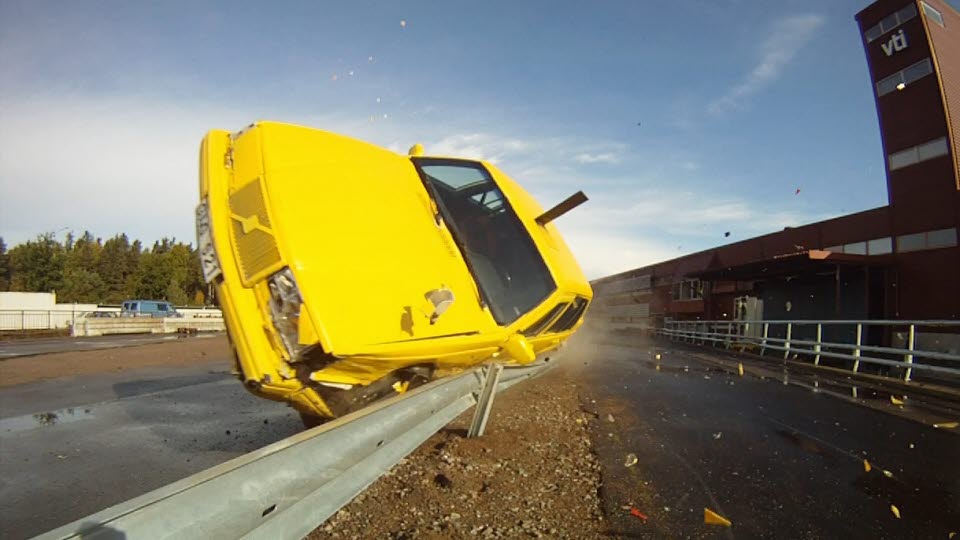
{"x": 897, "y": 43}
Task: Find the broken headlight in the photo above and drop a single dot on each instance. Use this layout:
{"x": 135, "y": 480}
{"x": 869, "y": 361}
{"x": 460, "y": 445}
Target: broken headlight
{"x": 285, "y": 305}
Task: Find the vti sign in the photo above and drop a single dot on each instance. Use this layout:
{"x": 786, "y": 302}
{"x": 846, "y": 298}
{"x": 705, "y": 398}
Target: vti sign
{"x": 895, "y": 44}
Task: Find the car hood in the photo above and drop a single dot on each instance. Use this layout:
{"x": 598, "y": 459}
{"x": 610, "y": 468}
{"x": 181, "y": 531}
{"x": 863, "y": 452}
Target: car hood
{"x": 356, "y": 225}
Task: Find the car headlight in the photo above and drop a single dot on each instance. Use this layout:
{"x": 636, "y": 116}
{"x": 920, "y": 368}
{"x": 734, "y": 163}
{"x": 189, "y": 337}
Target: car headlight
{"x": 285, "y": 305}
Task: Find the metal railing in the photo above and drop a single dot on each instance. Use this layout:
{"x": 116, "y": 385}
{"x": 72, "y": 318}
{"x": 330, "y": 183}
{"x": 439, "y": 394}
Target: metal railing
{"x": 288, "y": 488}
{"x": 65, "y": 317}
{"x": 806, "y": 339}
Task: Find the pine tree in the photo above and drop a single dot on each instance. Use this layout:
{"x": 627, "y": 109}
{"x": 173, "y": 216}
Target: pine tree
{"x": 4, "y": 267}
{"x": 37, "y": 265}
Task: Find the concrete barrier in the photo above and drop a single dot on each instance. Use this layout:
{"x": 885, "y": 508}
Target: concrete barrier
{"x": 143, "y": 325}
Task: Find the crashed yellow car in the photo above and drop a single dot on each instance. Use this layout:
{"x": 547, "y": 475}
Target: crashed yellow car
{"x": 347, "y": 272}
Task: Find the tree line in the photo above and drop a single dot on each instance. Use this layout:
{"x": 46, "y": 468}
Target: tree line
{"x": 90, "y": 270}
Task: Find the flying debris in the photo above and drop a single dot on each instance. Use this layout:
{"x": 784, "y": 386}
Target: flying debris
{"x": 797, "y": 192}
{"x": 726, "y": 234}
{"x": 403, "y": 24}
{"x": 712, "y": 518}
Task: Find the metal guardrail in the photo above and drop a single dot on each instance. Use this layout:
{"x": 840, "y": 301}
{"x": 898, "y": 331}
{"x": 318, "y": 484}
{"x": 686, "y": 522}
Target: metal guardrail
{"x": 287, "y": 489}
{"x": 908, "y": 359}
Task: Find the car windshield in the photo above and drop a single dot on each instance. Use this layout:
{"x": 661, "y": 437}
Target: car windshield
{"x": 505, "y": 263}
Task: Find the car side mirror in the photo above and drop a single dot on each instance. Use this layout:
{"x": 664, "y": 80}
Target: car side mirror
{"x": 519, "y": 349}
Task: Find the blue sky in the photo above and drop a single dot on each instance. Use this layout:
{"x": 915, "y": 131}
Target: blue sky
{"x": 681, "y": 120}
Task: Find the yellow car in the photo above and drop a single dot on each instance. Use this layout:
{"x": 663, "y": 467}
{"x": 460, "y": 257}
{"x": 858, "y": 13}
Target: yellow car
{"x": 347, "y": 272}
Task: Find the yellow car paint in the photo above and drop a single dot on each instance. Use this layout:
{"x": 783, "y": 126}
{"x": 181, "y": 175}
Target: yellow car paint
{"x": 381, "y": 281}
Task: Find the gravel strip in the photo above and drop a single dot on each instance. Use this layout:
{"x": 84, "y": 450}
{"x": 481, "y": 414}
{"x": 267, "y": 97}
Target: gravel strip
{"x": 532, "y": 475}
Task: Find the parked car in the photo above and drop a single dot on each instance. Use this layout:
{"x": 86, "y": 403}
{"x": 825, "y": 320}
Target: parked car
{"x": 100, "y": 315}
{"x": 148, "y": 308}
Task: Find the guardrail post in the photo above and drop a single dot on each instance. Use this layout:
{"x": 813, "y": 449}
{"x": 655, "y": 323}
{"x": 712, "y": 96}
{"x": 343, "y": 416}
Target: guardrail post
{"x": 49, "y": 320}
{"x": 786, "y": 344}
{"x": 816, "y": 348}
{"x": 485, "y": 400}
{"x": 856, "y": 351}
{"x": 908, "y": 358}
{"x": 726, "y": 342}
{"x": 763, "y": 344}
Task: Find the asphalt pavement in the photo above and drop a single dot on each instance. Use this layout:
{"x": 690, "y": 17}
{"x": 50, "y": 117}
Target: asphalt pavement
{"x": 73, "y": 446}
{"x": 778, "y": 456}
{"x": 32, "y": 347}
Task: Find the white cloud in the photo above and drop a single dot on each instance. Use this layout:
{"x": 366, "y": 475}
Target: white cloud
{"x": 606, "y": 157}
{"x": 477, "y": 146}
{"x": 785, "y": 38}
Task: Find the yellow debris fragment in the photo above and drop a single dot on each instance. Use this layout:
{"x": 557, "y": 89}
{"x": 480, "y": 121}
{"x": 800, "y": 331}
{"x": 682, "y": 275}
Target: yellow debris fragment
{"x": 712, "y": 518}
{"x": 895, "y": 510}
{"x": 658, "y": 356}
{"x": 401, "y": 387}
{"x": 896, "y": 401}
{"x": 740, "y": 368}
{"x": 946, "y": 425}
{"x": 866, "y": 466}
{"x": 951, "y": 535}
{"x": 887, "y": 473}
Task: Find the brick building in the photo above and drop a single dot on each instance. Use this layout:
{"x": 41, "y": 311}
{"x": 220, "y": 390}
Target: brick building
{"x": 899, "y": 261}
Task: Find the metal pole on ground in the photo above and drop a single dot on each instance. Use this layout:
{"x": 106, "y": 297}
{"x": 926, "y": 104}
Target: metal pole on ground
{"x": 786, "y": 345}
{"x": 766, "y": 330}
{"x": 816, "y": 348}
{"x": 485, "y": 400}
{"x": 856, "y": 351}
{"x": 908, "y": 358}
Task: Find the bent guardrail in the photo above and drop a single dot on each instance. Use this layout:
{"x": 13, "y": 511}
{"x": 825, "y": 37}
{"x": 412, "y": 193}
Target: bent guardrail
{"x": 288, "y": 488}
{"x": 765, "y": 335}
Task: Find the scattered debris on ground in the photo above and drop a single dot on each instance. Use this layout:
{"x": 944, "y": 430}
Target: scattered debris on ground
{"x": 533, "y": 474}
{"x": 712, "y": 518}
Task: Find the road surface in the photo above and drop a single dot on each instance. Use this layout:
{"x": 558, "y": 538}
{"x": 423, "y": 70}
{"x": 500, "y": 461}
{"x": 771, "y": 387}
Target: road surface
{"x": 70, "y": 447}
{"x": 32, "y": 347}
{"x": 772, "y": 455}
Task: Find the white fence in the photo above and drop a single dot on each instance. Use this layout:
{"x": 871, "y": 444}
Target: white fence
{"x": 808, "y": 339}
{"x": 67, "y": 316}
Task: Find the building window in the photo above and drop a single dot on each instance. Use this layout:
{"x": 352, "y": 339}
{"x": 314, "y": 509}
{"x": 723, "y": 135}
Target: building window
{"x": 877, "y": 246}
{"x": 932, "y": 14}
{"x": 880, "y": 246}
{"x": 910, "y": 242}
{"x": 942, "y": 238}
{"x": 688, "y": 289}
{"x": 916, "y": 154}
{"x": 892, "y": 21}
{"x": 905, "y": 76}
{"x": 856, "y": 248}
{"x": 927, "y": 240}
